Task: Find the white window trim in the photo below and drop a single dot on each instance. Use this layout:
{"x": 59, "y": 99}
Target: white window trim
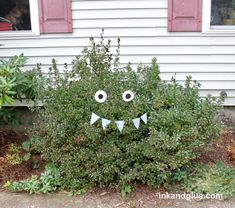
{"x": 206, "y": 17}
{"x": 34, "y": 15}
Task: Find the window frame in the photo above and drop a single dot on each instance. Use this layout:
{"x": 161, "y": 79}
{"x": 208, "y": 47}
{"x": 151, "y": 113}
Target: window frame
{"x": 35, "y": 29}
{"x": 206, "y": 21}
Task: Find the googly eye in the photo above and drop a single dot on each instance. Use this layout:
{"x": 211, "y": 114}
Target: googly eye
{"x": 100, "y": 96}
{"x": 128, "y": 96}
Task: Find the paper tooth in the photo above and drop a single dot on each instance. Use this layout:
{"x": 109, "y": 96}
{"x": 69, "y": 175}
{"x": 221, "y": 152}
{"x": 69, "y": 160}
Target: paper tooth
{"x": 144, "y": 118}
{"x": 105, "y": 123}
{"x": 120, "y": 125}
{"x": 94, "y": 118}
{"x": 136, "y": 122}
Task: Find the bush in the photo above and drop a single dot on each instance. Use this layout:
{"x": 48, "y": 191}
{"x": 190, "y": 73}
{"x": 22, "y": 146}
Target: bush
{"x": 179, "y": 122}
{"x": 15, "y": 84}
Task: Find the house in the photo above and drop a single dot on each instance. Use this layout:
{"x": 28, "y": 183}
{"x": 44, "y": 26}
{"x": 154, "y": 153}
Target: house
{"x": 194, "y": 37}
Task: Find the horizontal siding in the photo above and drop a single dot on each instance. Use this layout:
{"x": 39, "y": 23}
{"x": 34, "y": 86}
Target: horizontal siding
{"x": 118, "y": 23}
{"x": 88, "y": 5}
{"x": 142, "y": 27}
{"x": 115, "y": 13}
{"x": 67, "y": 41}
{"x": 145, "y": 50}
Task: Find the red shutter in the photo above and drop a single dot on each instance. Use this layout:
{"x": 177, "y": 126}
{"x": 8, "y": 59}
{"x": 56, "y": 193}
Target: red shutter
{"x": 184, "y": 15}
{"x": 55, "y": 16}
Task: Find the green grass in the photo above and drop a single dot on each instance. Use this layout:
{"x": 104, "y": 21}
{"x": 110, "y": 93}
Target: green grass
{"x": 215, "y": 179}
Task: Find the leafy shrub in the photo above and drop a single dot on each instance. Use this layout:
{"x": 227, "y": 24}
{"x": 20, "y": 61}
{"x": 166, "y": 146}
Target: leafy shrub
{"x": 15, "y": 84}
{"x": 16, "y": 156}
{"x": 50, "y": 180}
{"x": 10, "y": 115}
{"x": 179, "y": 122}
{"x": 217, "y": 179}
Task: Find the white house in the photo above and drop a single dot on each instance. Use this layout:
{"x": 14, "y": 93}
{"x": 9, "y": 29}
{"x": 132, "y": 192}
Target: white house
{"x": 194, "y": 37}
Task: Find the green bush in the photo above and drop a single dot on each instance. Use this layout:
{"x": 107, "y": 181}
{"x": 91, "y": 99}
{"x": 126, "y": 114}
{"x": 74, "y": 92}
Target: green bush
{"x": 15, "y": 84}
{"x": 179, "y": 122}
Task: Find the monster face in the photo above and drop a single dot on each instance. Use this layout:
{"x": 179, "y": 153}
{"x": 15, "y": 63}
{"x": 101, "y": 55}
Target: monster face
{"x": 127, "y": 96}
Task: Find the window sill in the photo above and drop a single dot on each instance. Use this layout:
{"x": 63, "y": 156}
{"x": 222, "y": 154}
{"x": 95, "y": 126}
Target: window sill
{"x": 17, "y": 34}
{"x": 225, "y": 29}
{"x": 222, "y": 29}
{"x": 219, "y": 31}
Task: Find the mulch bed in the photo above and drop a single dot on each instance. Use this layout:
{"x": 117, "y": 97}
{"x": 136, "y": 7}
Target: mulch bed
{"x": 222, "y": 150}
{"x": 21, "y": 171}
{"x": 10, "y": 137}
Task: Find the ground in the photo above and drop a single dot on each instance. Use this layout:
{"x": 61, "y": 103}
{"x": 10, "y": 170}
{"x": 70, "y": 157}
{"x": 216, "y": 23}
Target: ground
{"x": 223, "y": 150}
{"x": 16, "y": 172}
{"x": 142, "y": 198}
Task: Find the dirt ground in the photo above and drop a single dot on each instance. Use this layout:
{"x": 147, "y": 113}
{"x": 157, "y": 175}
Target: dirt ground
{"x": 221, "y": 150}
{"x": 21, "y": 171}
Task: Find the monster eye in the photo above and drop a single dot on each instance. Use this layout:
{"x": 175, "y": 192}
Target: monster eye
{"x": 128, "y": 96}
{"x": 100, "y": 96}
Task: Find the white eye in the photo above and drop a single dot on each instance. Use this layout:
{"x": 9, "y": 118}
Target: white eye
{"x": 128, "y": 96}
{"x": 100, "y": 96}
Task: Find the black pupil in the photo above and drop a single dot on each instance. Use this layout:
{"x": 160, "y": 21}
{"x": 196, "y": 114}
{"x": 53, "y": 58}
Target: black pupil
{"x": 100, "y": 96}
{"x": 128, "y": 96}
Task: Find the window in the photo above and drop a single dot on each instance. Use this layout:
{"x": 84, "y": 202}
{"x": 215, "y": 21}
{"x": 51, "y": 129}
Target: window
{"x": 218, "y": 16}
{"x": 16, "y": 18}
{"x": 16, "y": 14}
{"x": 32, "y": 17}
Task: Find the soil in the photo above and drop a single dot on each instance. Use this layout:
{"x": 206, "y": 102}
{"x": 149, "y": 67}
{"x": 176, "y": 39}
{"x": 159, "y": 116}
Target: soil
{"x": 10, "y": 137}
{"x": 221, "y": 150}
{"x": 18, "y": 171}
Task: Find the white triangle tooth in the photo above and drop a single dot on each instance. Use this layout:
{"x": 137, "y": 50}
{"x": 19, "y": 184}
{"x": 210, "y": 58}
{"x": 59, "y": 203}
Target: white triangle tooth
{"x": 136, "y": 122}
{"x": 94, "y": 118}
{"x": 105, "y": 123}
{"x": 144, "y": 118}
{"x": 120, "y": 125}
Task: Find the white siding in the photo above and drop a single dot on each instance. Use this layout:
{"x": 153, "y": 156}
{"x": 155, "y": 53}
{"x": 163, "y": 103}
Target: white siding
{"x": 142, "y": 27}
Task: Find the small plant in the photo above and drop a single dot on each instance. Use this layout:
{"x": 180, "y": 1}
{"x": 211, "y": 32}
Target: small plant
{"x": 126, "y": 190}
{"x": 215, "y": 179}
{"x": 50, "y": 180}
{"x": 15, "y": 155}
{"x": 31, "y": 185}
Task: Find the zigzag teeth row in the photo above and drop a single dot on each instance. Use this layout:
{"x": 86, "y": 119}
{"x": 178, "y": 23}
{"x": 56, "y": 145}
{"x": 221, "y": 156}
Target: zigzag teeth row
{"x": 120, "y": 124}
